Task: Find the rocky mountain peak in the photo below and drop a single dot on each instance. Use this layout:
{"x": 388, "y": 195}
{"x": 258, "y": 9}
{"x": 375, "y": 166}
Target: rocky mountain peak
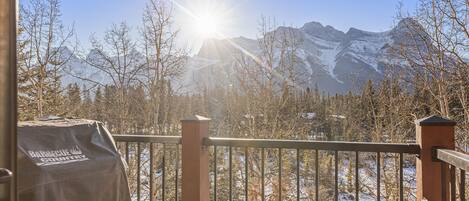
{"x": 335, "y": 61}
{"x": 328, "y": 32}
{"x": 354, "y": 33}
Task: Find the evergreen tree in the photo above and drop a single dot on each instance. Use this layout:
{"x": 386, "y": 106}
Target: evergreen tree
{"x": 73, "y": 101}
{"x": 98, "y": 105}
{"x": 87, "y": 105}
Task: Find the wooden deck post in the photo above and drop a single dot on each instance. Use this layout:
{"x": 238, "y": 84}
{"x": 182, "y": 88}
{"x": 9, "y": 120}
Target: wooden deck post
{"x": 8, "y": 94}
{"x": 195, "y": 159}
{"x": 432, "y": 132}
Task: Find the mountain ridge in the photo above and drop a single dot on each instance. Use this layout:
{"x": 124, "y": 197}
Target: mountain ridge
{"x": 333, "y": 60}
{"x": 336, "y": 61}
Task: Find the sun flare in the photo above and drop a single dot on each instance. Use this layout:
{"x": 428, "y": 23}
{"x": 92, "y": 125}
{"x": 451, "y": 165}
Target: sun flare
{"x": 202, "y": 20}
{"x": 207, "y": 25}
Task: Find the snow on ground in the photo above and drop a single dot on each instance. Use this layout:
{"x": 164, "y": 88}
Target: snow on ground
{"x": 367, "y": 175}
{"x": 328, "y": 56}
{"x": 303, "y": 55}
{"x": 367, "y": 48}
{"x": 329, "y": 51}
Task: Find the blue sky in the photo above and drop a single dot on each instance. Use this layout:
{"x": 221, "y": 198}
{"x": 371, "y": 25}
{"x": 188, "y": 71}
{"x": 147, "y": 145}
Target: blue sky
{"x": 238, "y": 17}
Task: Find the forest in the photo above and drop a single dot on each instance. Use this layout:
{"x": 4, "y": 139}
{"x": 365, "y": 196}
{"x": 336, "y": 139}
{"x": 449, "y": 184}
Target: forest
{"x": 142, "y": 98}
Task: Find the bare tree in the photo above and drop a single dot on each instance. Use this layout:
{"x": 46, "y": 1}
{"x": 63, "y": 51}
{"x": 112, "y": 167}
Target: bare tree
{"x": 437, "y": 56}
{"x": 165, "y": 61}
{"x": 117, "y": 57}
{"x": 44, "y": 42}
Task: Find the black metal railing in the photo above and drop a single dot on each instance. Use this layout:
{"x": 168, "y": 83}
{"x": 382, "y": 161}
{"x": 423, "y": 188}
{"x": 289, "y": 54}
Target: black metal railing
{"x": 139, "y": 152}
{"x": 453, "y": 160}
{"x": 298, "y": 146}
{"x": 146, "y": 156}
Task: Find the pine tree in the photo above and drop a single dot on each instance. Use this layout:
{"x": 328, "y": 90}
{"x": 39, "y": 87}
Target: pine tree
{"x": 73, "y": 101}
{"x": 98, "y": 107}
{"x": 26, "y": 105}
{"x": 137, "y": 108}
{"x": 87, "y": 105}
{"x": 111, "y": 117}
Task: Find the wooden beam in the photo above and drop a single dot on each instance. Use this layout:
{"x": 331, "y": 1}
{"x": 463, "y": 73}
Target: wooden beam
{"x": 8, "y": 18}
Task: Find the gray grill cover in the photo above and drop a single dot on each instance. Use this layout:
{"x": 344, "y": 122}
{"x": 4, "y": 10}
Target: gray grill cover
{"x": 69, "y": 160}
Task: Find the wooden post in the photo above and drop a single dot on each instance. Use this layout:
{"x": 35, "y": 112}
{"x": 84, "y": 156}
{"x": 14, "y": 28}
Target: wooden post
{"x": 432, "y": 132}
{"x": 195, "y": 159}
{"x": 8, "y": 15}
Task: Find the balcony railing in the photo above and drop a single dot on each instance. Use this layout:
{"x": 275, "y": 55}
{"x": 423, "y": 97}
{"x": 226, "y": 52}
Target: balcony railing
{"x": 453, "y": 160}
{"x": 146, "y": 156}
{"x": 299, "y": 146}
{"x": 255, "y": 169}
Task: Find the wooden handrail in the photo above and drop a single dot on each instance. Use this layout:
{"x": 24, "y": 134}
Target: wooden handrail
{"x": 319, "y": 145}
{"x": 455, "y": 158}
{"x": 164, "y": 139}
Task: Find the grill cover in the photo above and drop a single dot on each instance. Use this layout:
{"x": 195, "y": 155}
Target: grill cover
{"x": 72, "y": 160}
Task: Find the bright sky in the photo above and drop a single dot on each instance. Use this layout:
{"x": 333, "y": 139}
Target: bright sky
{"x": 232, "y": 18}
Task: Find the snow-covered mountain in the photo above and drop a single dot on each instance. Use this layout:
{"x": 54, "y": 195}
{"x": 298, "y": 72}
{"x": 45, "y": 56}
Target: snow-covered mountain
{"x": 333, "y": 60}
{"x": 76, "y": 70}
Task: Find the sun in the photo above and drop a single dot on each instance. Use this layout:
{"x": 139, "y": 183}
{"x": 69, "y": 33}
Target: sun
{"x": 207, "y": 25}
{"x": 204, "y": 20}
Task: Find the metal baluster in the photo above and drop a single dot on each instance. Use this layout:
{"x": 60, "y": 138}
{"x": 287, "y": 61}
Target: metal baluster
{"x": 453, "y": 182}
{"x": 316, "y": 179}
{"x": 357, "y": 185}
{"x": 336, "y": 177}
{"x": 127, "y": 152}
{"x": 297, "y": 174}
{"x": 443, "y": 181}
{"x": 138, "y": 171}
{"x": 151, "y": 172}
{"x": 280, "y": 174}
{"x": 401, "y": 177}
{"x": 246, "y": 181}
{"x": 163, "y": 175}
{"x": 378, "y": 176}
{"x": 177, "y": 173}
{"x": 230, "y": 173}
{"x": 462, "y": 186}
{"x": 215, "y": 173}
{"x": 263, "y": 174}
